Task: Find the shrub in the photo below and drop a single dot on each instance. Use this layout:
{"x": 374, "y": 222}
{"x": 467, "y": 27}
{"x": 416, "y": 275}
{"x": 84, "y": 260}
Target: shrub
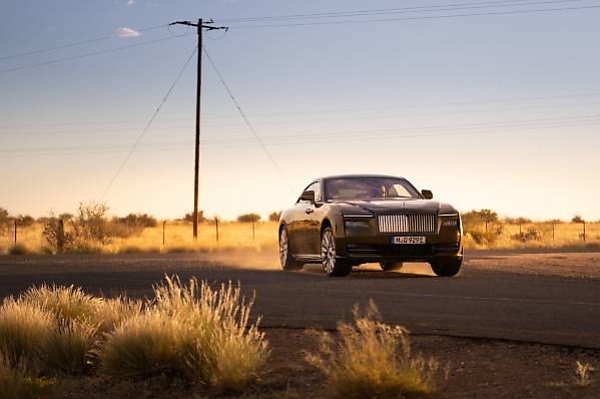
{"x": 248, "y": 218}
{"x": 189, "y": 217}
{"x": 90, "y": 227}
{"x": 138, "y": 221}
{"x": 531, "y": 234}
{"x": 274, "y": 217}
{"x": 54, "y": 234}
{"x": 373, "y": 360}
{"x": 192, "y": 332}
{"x": 18, "y": 249}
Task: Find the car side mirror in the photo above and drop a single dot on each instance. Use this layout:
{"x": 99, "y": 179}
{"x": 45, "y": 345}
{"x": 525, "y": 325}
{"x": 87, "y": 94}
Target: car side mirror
{"x": 309, "y": 196}
{"x": 427, "y": 194}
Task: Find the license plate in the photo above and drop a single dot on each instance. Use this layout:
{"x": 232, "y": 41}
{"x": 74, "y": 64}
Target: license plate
{"x": 403, "y": 240}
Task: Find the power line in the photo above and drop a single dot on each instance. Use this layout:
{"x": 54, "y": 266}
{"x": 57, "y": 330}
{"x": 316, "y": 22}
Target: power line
{"x": 91, "y": 54}
{"x": 137, "y": 142}
{"x": 354, "y": 135}
{"x": 402, "y": 10}
{"x": 74, "y": 44}
{"x": 243, "y": 115}
{"x": 424, "y": 17}
{"x": 349, "y": 110}
{"x": 120, "y": 131}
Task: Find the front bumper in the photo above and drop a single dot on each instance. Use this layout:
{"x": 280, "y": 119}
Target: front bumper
{"x": 380, "y": 248}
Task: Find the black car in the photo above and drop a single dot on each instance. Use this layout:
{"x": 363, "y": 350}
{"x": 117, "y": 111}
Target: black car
{"x": 344, "y": 221}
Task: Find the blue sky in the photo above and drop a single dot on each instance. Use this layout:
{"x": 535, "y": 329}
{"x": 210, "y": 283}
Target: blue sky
{"x": 489, "y": 111}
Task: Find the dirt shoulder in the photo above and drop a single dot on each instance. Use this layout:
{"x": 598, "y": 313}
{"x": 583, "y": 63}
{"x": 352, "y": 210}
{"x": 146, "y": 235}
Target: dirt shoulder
{"x": 477, "y": 369}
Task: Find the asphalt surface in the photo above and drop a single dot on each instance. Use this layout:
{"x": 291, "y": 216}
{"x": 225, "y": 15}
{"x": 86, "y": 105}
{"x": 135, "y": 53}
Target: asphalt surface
{"x": 478, "y": 303}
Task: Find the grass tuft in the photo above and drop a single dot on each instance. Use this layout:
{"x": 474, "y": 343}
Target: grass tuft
{"x": 24, "y": 328}
{"x": 69, "y": 347}
{"x": 65, "y": 303}
{"x": 582, "y": 374}
{"x": 373, "y": 360}
{"x": 192, "y": 332}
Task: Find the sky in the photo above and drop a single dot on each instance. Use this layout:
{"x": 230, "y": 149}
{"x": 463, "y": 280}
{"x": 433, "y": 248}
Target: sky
{"x": 490, "y": 104}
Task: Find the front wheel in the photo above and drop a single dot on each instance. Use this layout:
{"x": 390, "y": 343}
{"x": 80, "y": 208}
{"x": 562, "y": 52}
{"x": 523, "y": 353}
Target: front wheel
{"x": 446, "y": 267}
{"x": 332, "y": 266}
{"x": 285, "y": 256}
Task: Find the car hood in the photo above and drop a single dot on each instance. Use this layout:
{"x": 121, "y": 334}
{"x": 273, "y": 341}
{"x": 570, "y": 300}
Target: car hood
{"x": 410, "y": 205}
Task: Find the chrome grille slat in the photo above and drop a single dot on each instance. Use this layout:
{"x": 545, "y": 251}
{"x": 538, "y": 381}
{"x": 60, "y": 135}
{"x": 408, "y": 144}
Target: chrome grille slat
{"x": 407, "y": 223}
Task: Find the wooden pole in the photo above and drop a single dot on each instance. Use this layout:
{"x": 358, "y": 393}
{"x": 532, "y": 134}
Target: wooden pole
{"x": 15, "y": 231}
{"x": 164, "y": 228}
{"x": 217, "y": 229}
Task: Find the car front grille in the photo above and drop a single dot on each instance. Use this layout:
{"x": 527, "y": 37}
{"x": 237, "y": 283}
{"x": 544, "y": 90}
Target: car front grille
{"x": 423, "y": 223}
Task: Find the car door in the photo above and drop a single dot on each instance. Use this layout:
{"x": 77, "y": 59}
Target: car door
{"x": 305, "y": 223}
{"x": 315, "y": 214}
{"x": 298, "y": 225}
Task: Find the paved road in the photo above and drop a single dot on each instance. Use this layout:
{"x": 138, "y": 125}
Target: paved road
{"x": 478, "y": 303}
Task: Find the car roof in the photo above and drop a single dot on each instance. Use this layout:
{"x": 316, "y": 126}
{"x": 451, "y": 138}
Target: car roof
{"x": 358, "y": 176}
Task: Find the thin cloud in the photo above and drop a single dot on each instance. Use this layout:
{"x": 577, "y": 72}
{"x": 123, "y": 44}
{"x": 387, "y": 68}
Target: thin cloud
{"x": 130, "y": 2}
{"x": 126, "y": 32}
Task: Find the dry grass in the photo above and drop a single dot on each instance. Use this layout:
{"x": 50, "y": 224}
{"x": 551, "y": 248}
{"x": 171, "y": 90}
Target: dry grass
{"x": 178, "y": 238}
{"x": 563, "y": 235}
{"x": 373, "y": 360}
{"x": 582, "y": 374}
{"x": 17, "y": 383}
{"x": 239, "y": 236}
{"x": 24, "y": 329}
{"x": 193, "y": 332}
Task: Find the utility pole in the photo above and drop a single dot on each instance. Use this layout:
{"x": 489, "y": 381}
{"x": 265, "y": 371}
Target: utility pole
{"x": 201, "y": 26}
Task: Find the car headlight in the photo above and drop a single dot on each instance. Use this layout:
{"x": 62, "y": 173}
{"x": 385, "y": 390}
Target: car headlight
{"x": 356, "y": 224}
{"x": 450, "y": 222}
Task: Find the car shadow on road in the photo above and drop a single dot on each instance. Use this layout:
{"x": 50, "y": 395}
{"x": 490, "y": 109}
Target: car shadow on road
{"x": 373, "y": 272}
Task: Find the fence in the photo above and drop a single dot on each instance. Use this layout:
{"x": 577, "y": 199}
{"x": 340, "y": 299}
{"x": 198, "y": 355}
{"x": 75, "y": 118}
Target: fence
{"x": 167, "y": 236}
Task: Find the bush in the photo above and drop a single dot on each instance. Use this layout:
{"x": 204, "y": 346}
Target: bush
{"x": 18, "y": 249}
{"x": 275, "y": 216}
{"x": 192, "y": 332}
{"x": 531, "y": 234}
{"x": 90, "y": 227}
{"x": 373, "y": 360}
{"x": 248, "y": 218}
{"x": 55, "y": 236}
{"x": 138, "y": 221}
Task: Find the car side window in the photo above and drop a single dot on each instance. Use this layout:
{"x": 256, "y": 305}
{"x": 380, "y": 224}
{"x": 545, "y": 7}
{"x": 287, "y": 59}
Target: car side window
{"x": 316, "y": 187}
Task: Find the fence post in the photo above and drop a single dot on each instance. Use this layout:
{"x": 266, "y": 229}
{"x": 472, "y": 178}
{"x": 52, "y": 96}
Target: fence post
{"x": 164, "y": 228}
{"x": 15, "y": 231}
{"x": 253, "y": 231}
{"x": 60, "y": 239}
{"x": 217, "y": 229}
{"x": 553, "y": 232}
{"x": 584, "y": 231}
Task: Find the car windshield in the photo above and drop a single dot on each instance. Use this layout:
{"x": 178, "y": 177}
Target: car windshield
{"x": 368, "y": 188}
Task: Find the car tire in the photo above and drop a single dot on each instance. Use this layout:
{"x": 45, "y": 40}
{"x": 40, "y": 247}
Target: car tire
{"x": 286, "y": 260}
{"x": 446, "y": 267}
{"x": 332, "y": 265}
{"x": 391, "y": 266}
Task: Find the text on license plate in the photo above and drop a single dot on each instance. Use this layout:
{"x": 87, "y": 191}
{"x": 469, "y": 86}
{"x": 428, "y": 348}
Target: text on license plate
{"x": 408, "y": 240}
